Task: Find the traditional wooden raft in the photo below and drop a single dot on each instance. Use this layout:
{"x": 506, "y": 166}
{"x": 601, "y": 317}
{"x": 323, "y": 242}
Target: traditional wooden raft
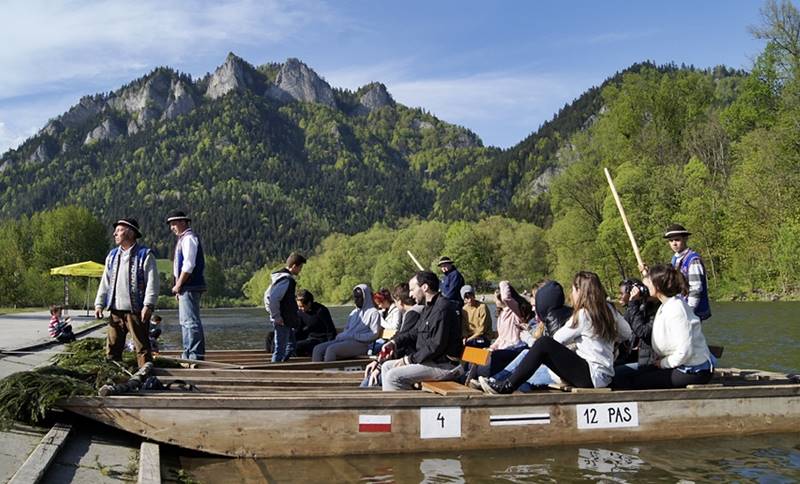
{"x": 314, "y": 412}
{"x": 256, "y": 359}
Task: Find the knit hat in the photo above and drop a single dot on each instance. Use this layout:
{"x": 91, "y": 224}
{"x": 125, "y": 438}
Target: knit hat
{"x": 444, "y": 260}
{"x": 176, "y": 215}
{"x": 131, "y": 223}
{"x": 676, "y": 230}
{"x": 465, "y": 289}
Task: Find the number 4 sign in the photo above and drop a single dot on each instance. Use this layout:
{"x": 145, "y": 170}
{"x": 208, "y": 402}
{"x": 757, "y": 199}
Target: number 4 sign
{"x": 439, "y": 423}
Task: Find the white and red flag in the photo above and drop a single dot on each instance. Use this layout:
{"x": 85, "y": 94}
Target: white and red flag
{"x": 374, "y": 423}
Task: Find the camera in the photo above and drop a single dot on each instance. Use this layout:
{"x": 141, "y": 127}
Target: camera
{"x": 629, "y": 284}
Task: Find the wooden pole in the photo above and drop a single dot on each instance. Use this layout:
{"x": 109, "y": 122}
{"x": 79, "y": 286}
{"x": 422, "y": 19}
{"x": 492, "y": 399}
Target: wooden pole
{"x": 624, "y": 219}
{"x": 416, "y": 262}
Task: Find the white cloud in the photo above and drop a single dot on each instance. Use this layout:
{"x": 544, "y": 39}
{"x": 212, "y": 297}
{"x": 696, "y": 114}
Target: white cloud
{"x": 501, "y": 106}
{"x": 10, "y": 138}
{"x": 49, "y": 44}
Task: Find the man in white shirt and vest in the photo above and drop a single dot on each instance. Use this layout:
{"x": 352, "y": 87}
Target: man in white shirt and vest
{"x": 129, "y": 290}
{"x": 188, "y": 268}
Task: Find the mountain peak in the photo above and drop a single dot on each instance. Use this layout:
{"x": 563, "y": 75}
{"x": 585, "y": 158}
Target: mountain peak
{"x": 296, "y": 81}
{"x": 235, "y": 74}
{"x": 373, "y": 96}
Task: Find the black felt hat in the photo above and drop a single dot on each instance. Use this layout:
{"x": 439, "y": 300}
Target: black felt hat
{"x": 445, "y": 260}
{"x": 131, "y": 223}
{"x": 176, "y": 215}
{"x": 676, "y": 230}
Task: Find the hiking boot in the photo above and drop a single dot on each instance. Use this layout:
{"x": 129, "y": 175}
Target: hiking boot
{"x": 495, "y": 387}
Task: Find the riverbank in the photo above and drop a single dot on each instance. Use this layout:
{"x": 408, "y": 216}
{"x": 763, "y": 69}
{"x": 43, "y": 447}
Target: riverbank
{"x": 28, "y": 330}
{"x": 92, "y": 452}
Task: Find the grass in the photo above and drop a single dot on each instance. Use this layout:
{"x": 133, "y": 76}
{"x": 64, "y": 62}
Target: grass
{"x": 15, "y": 310}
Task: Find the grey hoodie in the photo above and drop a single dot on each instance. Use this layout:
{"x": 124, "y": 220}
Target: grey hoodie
{"x": 362, "y": 324}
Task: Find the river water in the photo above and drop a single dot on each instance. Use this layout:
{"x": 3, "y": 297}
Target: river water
{"x": 755, "y": 335}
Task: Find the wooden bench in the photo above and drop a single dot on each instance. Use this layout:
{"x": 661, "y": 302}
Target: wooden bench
{"x": 448, "y": 388}
{"x": 566, "y": 388}
{"x": 473, "y": 356}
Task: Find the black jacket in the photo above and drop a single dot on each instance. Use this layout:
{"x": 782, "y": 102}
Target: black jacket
{"x": 316, "y": 323}
{"x": 437, "y": 334}
{"x": 409, "y": 325}
{"x": 550, "y": 307}
{"x": 640, "y": 316}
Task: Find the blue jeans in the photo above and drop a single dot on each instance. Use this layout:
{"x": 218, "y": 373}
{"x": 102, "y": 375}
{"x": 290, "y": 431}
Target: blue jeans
{"x": 284, "y": 343}
{"x": 194, "y": 342}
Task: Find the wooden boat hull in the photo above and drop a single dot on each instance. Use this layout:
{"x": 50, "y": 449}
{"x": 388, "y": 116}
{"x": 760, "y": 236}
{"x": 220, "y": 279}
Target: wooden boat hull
{"x": 317, "y": 422}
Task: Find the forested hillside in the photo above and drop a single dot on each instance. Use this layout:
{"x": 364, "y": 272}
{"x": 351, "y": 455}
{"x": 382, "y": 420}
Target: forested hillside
{"x": 271, "y": 159}
{"x": 716, "y": 150}
{"x": 266, "y": 160}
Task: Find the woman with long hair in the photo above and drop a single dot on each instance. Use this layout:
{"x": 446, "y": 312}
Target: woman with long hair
{"x": 594, "y": 328}
{"x": 679, "y": 350}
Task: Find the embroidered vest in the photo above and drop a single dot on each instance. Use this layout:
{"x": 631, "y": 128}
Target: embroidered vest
{"x": 137, "y": 277}
{"x": 703, "y": 309}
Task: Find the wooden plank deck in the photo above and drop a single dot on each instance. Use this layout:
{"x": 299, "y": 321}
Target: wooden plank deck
{"x": 42, "y": 456}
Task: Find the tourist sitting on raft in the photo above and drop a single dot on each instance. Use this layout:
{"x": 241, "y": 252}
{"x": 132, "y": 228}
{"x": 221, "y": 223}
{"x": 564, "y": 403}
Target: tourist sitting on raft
{"x": 513, "y": 315}
{"x": 551, "y": 315}
{"x": 680, "y": 353}
{"x": 640, "y": 310}
{"x": 476, "y": 322}
{"x": 391, "y": 315}
{"x": 411, "y": 312}
{"x": 316, "y": 324}
{"x": 363, "y": 326}
{"x": 594, "y": 326}
{"x": 436, "y": 338}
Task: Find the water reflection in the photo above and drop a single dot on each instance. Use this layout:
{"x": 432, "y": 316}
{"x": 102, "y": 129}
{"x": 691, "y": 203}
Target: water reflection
{"x": 440, "y": 471}
{"x": 767, "y": 459}
{"x": 602, "y": 461}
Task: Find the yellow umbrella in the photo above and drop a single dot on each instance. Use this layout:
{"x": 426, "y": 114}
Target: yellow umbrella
{"x": 79, "y": 269}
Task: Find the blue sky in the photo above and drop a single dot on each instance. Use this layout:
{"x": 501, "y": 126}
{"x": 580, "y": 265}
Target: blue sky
{"x": 498, "y": 68}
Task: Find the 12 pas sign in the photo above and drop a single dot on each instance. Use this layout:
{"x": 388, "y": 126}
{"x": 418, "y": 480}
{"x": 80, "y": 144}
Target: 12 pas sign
{"x": 607, "y": 415}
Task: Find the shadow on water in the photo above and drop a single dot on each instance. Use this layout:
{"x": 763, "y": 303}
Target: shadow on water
{"x": 770, "y": 458}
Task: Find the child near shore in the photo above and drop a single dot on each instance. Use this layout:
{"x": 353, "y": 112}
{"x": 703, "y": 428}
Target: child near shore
{"x": 155, "y": 333}
{"x": 60, "y": 330}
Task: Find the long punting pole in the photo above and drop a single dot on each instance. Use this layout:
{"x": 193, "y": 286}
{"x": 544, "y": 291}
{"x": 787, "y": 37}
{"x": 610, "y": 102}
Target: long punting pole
{"x": 624, "y": 218}
{"x": 415, "y": 260}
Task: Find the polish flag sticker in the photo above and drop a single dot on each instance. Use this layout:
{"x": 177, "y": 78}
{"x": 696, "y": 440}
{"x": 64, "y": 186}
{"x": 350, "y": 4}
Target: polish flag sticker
{"x": 374, "y": 423}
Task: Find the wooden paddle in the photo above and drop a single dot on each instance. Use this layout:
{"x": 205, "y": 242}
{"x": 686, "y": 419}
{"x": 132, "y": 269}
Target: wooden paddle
{"x": 415, "y": 260}
{"x": 624, "y": 219}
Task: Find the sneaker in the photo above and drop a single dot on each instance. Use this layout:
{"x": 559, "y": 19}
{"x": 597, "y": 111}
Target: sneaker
{"x": 475, "y": 384}
{"x": 486, "y": 386}
{"x": 495, "y": 387}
